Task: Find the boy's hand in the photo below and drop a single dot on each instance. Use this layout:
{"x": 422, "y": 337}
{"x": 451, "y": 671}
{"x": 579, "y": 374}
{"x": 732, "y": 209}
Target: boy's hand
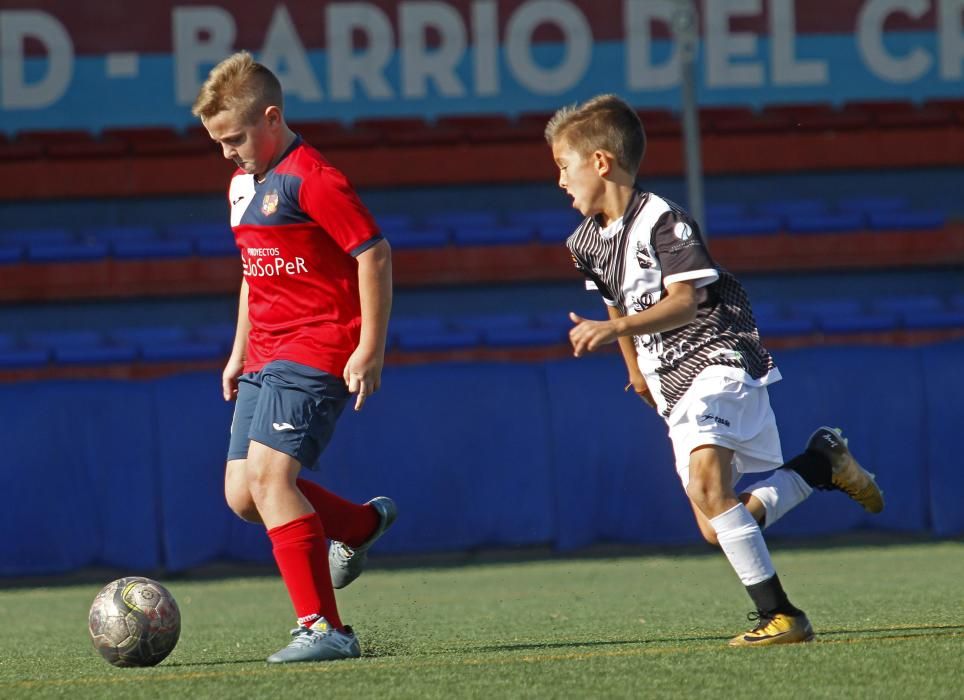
{"x": 587, "y": 335}
{"x": 229, "y": 378}
{"x": 363, "y": 375}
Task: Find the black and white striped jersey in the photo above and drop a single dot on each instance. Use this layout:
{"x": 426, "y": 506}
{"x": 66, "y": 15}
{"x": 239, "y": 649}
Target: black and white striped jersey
{"x": 631, "y": 261}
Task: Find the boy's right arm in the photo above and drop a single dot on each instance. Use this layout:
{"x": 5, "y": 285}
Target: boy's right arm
{"x": 628, "y": 349}
{"x": 232, "y": 370}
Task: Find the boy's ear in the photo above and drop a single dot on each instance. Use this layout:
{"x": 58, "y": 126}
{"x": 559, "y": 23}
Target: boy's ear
{"x": 273, "y": 115}
{"x": 602, "y": 162}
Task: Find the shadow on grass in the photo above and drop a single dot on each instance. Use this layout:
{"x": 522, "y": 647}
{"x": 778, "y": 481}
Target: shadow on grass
{"x": 896, "y": 632}
{"x": 214, "y": 662}
{"x": 533, "y": 646}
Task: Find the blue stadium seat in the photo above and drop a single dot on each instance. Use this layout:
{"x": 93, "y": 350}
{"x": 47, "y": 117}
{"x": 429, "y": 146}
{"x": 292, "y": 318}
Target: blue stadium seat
{"x": 493, "y": 322}
{"x": 766, "y": 309}
{"x": 152, "y": 248}
{"x": 216, "y": 246}
{"x": 897, "y": 220}
{"x": 523, "y": 336}
{"x": 101, "y": 354}
{"x": 792, "y": 207}
{"x": 169, "y": 344}
{"x": 184, "y": 351}
{"x": 421, "y": 237}
{"x": 751, "y": 225}
{"x": 936, "y": 319}
{"x": 413, "y": 325}
{"x": 24, "y": 358}
{"x": 869, "y": 205}
{"x": 64, "y": 339}
{"x": 10, "y": 254}
{"x": 493, "y": 235}
{"x": 457, "y": 219}
{"x": 824, "y": 308}
{"x": 550, "y": 225}
{"x": 149, "y": 335}
{"x": 66, "y": 252}
{"x": 439, "y": 340}
{"x": 859, "y": 323}
{"x": 416, "y": 324}
{"x": 724, "y": 210}
{"x": 825, "y": 223}
{"x": 48, "y": 236}
{"x": 387, "y": 222}
{"x": 111, "y": 234}
{"x": 221, "y": 333}
{"x": 774, "y": 326}
{"x": 907, "y": 305}
{"x": 198, "y": 231}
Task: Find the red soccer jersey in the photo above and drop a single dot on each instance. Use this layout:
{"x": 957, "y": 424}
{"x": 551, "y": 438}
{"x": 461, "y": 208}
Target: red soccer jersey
{"x": 298, "y": 232}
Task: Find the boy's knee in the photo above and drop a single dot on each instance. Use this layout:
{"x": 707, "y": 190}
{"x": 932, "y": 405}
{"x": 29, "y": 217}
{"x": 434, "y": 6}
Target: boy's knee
{"x": 239, "y": 500}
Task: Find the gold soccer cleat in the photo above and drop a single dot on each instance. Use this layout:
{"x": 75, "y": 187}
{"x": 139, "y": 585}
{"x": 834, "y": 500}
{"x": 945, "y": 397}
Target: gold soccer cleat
{"x": 778, "y": 629}
{"x": 848, "y": 475}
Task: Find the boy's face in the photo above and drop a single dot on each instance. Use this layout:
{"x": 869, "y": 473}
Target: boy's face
{"x": 580, "y": 177}
{"x": 253, "y": 145}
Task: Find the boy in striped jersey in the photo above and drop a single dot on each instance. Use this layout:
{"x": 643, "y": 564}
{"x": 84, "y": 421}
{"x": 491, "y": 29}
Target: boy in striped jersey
{"x": 690, "y": 343}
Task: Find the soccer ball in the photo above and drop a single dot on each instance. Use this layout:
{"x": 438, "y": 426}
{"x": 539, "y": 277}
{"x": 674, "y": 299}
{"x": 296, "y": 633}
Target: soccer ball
{"x": 134, "y": 621}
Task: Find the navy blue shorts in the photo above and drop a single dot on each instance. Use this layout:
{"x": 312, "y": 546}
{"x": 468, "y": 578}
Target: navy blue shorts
{"x": 289, "y": 407}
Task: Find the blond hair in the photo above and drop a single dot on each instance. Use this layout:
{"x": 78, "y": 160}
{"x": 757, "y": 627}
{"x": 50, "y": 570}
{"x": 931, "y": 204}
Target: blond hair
{"x": 238, "y": 83}
{"x": 603, "y": 123}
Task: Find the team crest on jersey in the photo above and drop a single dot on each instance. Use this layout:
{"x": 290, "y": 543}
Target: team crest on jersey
{"x": 269, "y": 205}
{"x": 642, "y": 256}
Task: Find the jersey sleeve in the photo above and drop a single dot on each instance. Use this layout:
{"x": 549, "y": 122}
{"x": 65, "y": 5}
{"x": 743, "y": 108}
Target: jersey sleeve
{"x": 682, "y": 251}
{"x": 328, "y": 198}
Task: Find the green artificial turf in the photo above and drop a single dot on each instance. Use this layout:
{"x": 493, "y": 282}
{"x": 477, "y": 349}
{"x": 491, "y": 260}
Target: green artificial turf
{"x": 889, "y": 622}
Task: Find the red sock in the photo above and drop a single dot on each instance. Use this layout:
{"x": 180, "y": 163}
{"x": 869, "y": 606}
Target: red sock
{"x": 343, "y": 520}
{"x": 301, "y": 551}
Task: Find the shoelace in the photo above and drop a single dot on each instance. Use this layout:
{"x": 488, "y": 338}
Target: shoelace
{"x": 344, "y": 553}
{"x": 303, "y": 637}
{"x": 762, "y": 619}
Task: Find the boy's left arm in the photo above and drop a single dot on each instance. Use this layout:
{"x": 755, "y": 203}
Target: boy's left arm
{"x": 363, "y": 372}
{"x": 628, "y": 349}
{"x": 675, "y": 309}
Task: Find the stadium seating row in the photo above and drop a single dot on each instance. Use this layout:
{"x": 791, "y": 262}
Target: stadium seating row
{"x": 393, "y": 152}
{"x": 370, "y": 132}
{"x": 437, "y": 333}
{"x": 471, "y": 228}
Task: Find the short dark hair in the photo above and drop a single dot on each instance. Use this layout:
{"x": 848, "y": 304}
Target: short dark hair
{"x": 605, "y": 123}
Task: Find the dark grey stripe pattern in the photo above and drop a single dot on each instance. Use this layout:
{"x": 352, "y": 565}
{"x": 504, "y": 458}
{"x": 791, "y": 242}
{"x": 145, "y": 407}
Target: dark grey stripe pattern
{"x": 724, "y": 332}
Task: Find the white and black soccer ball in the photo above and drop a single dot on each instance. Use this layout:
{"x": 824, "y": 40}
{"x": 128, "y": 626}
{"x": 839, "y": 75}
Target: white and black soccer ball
{"x": 134, "y": 621}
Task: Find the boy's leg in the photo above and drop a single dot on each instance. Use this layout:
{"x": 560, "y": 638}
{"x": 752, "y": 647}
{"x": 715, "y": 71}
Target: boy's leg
{"x": 825, "y": 464}
{"x": 300, "y": 549}
{"x": 297, "y": 535}
{"x": 344, "y": 521}
{"x": 710, "y": 489}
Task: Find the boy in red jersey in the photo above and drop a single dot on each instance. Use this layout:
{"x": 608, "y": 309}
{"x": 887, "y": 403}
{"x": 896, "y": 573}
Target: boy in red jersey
{"x": 312, "y": 320}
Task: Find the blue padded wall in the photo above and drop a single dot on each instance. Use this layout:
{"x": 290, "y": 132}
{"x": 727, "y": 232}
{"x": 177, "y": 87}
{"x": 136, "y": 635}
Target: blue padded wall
{"x": 944, "y": 385}
{"x": 79, "y": 477}
{"x": 129, "y": 474}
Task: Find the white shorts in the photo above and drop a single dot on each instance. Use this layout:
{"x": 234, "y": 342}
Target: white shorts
{"x": 719, "y": 410}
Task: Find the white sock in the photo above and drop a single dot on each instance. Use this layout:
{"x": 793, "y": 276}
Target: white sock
{"x": 742, "y": 542}
{"x": 780, "y": 493}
